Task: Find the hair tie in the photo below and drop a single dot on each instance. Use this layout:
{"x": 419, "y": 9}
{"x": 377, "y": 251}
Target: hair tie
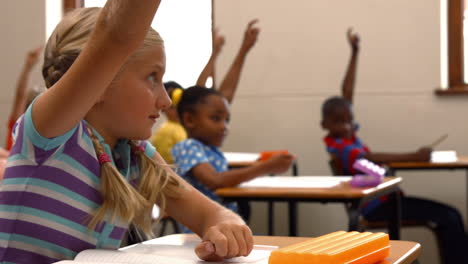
{"x": 176, "y": 96}
{"x": 103, "y": 158}
{"x": 138, "y": 149}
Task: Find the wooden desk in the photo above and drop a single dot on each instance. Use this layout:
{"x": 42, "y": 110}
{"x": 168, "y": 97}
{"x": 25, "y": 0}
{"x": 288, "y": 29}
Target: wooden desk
{"x": 244, "y": 159}
{"x": 401, "y": 252}
{"x": 353, "y": 198}
{"x": 460, "y": 164}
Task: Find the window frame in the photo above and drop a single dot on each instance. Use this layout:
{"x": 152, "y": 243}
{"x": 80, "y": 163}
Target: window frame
{"x": 455, "y": 52}
{"x": 72, "y": 4}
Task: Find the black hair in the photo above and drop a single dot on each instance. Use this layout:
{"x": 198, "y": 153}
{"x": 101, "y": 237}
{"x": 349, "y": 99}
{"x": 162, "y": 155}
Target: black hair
{"x": 192, "y": 97}
{"x": 171, "y": 85}
{"x": 332, "y": 104}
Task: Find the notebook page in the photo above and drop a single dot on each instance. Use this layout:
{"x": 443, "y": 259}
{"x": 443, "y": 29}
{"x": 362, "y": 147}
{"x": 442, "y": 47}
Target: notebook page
{"x": 295, "y": 182}
{"x": 259, "y": 254}
{"x": 115, "y": 256}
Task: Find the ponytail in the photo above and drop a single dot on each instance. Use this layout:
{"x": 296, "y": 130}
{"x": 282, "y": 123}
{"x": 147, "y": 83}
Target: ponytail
{"x": 122, "y": 201}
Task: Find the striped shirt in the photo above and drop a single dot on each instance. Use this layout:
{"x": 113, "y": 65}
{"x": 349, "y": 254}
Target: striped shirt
{"x": 347, "y": 151}
{"x": 49, "y": 191}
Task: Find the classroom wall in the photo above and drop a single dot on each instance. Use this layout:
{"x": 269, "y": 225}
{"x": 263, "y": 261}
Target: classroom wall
{"x": 22, "y": 27}
{"x": 300, "y": 60}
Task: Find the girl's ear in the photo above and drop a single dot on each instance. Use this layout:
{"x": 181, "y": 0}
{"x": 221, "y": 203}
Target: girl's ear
{"x": 188, "y": 119}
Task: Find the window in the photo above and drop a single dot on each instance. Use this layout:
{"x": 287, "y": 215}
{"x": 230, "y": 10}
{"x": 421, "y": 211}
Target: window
{"x": 457, "y": 73}
{"x": 185, "y": 26}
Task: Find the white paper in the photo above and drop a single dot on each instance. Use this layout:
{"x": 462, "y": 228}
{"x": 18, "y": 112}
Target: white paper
{"x": 295, "y": 182}
{"x": 241, "y": 157}
{"x": 444, "y": 156}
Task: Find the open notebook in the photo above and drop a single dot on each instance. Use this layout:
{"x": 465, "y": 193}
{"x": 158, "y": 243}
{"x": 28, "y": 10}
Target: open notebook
{"x": 161, "y": 254}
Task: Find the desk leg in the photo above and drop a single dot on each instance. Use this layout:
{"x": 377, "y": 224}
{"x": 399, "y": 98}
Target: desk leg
{"x": 394, "y": 223}
{"x": 295, "y": 170}
{"x": 353, "y": 216}
{"x": 292, "y": 206}
{"x": 466, "y": 191}
{"x": 270, "y": 218}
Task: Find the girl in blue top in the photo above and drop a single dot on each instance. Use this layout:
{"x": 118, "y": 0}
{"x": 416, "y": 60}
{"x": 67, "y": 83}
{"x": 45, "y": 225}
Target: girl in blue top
{"x": 205, "y": 115}
{"x": 78, "y": 172}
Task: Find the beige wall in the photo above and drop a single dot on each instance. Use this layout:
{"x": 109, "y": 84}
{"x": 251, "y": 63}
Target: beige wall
{"x": 22, "y": 27}
{"x": 300, "y": 60}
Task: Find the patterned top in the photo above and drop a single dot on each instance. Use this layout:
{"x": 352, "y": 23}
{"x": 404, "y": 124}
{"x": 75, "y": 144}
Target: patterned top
{"x": 49, "y": 191}
{"x": 347, "y": 151}
{"x": 189, "y": 153}
{"x": 169, "y": 134}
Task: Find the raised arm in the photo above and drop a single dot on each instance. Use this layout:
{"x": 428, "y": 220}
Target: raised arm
{"x": 119, "y": 30}
{"x": 21, "y": 92}
{"x": 349, "y": 79}
{"x": 208, "y": 71}
{"x": 231, "y": 80}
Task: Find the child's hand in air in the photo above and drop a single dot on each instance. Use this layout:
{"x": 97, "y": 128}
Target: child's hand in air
{"x": 226, "y": 239}
{"x": 33, "y": 56}
{"x": 250, "y": 35}
{"x": 218, "y": 41}
{"x": 353, "y": 39}
{"x": 279, "y": 163}
{"x": 423, "y": 154}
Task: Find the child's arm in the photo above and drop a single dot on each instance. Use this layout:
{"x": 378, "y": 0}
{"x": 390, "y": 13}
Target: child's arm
{"x": 119, "y": 30}
{"x": 349, "y": 79}
{"x": 4, "y": 153}
{"x": 423, "y": 154}
{"x": 21, "y": 94}
{"x": 215, "y": 224}
{"x": 231, "y": 80}
{"x": 218, "y": 42}
{"x": 206, "y": 174}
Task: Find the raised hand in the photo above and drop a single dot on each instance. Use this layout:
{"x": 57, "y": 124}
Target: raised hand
{"x": 33, "y": 56}
{"x": 218, "y": 41}
{"x": 353, "y": 39}
{"x": 250, "y": 35}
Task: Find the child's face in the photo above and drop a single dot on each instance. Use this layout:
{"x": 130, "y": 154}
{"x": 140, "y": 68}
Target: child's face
{"x": 339, "y": 123}
{"x": 209, "y": 123}
{"x": 134, "y": 100}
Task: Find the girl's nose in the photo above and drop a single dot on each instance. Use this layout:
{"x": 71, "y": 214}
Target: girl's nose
{"x": 162, "y": 99}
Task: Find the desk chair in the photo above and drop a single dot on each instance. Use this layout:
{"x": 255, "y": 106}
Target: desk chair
{"x": 337, "y": 170}
{"x": 164, "y": 222}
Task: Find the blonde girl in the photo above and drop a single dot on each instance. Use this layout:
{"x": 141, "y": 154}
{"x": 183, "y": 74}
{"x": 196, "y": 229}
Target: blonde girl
{"x": 80, "y": 171}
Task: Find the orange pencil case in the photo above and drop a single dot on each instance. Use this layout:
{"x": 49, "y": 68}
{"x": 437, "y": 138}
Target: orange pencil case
{"x": 336, "y": 248}
{"x": 265, "y": 155}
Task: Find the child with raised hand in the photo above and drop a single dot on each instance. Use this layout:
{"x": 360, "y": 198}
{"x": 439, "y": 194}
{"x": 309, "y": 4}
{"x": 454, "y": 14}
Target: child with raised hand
{"x": 171, "y": 131}
{"x": 345, "y": 148}
{"x": 230, "y": 82}
{"x": 78, "y": 172}
{"x": 205, "y": 115}
{"x": 22, "y": 97}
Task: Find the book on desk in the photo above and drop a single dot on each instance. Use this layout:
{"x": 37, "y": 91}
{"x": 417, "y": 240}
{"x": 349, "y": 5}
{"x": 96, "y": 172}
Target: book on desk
{"x": 160, "y": 253}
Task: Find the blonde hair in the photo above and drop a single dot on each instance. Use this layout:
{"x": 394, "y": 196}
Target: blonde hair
{"x": 121, "y": 201}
